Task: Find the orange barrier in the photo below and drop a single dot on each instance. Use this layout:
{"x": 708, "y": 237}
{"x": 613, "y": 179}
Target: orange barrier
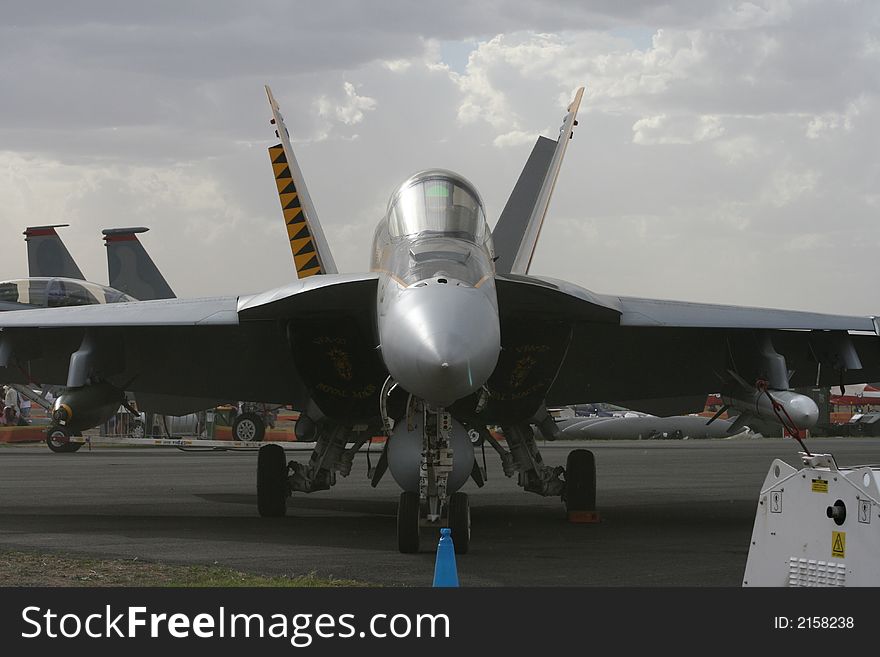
{"x": 28, "y": 434}
{"x": 273, "y": 435}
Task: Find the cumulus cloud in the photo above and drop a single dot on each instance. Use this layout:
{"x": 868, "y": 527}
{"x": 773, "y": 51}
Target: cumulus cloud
{"x": 397, "y": 65}
{"x": 711, "y": 133}
{"x": 663, "y": 129}
{"x": 824, "y": 124}
{"x": 787, "y": 186}
{"x": 514, "y": 138}
{"x": 350, "y": 110}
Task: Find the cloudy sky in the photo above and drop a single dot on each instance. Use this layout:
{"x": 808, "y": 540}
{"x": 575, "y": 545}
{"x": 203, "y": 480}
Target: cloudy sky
{"x": 727, "y": 151}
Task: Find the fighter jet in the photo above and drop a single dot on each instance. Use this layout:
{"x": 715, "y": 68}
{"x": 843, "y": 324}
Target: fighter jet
{"x": 54, "y": 280}
{"x": 447, "y": 334}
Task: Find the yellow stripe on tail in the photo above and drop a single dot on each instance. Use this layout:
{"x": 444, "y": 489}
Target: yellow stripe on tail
{"x": 302, "y": 244}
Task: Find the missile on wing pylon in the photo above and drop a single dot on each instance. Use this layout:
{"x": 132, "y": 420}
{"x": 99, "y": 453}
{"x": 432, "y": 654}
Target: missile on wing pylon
{"x": 791, "y": 409}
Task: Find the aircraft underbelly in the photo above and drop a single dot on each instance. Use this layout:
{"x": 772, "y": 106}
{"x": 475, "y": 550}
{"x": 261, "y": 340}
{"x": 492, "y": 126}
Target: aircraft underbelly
{"x": 533, "y": 349}
{"x": 339, "y": 365}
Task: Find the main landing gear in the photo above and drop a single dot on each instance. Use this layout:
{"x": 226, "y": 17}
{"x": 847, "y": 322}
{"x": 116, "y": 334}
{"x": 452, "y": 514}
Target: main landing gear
{"x": 575, "y": 483}
{"x": 427, "y": 500}
{"x": 277, "y": 479}
{"x": 580, "y": 487}
{"x": 272, "y": 486}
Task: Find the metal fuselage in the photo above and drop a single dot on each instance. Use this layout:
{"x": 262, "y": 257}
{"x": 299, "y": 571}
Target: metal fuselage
{"x": 437, "y": 311}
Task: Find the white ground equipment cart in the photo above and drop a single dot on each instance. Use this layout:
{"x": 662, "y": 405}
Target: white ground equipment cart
{"x": 818, "y": 526}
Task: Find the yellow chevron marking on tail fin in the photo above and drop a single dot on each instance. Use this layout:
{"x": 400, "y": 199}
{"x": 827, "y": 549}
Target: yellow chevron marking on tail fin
{"x": 302, "y": 244}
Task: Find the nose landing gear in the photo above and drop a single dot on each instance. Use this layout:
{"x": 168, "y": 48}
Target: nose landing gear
{"x": 410, "y": 519}
{"x": 432, "y": 501}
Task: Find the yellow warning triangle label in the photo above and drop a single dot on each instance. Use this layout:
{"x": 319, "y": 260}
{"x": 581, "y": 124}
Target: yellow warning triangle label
{"x": 838, "y": 544}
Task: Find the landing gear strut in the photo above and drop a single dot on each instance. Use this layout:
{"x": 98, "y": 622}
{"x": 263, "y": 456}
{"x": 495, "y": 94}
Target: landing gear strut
{"x": 525, "y": 459}
{"x": 575, "y": 483}
{"x": 277, "y": 479}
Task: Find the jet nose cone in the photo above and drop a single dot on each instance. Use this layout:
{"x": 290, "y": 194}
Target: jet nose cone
{"x": 440, "y": 341}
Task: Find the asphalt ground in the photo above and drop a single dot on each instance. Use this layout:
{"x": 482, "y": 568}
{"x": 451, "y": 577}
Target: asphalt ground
{"x": 674, "y": 513}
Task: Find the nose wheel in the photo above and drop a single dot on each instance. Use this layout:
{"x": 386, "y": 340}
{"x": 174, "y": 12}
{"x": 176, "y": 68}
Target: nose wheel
{"x": 409, "y": 515}
{"x": 460, "y": 522}
{"x": 410, "y": 518}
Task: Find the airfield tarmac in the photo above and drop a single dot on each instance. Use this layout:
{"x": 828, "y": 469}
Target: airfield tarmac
{"x": 674, "y": 513}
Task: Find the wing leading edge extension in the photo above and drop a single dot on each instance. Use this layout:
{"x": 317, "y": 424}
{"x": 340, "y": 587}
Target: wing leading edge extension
{"x": 311, "y": 252}
{"x": 516, "y": 234}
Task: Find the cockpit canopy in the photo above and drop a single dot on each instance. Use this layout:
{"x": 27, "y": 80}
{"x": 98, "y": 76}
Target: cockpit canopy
{"x": 57, "y": 292}
{"x": 437, "y": 201}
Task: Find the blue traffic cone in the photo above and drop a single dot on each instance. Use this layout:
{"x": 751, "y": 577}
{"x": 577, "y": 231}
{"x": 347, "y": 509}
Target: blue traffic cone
{"x": 445, "y": 571}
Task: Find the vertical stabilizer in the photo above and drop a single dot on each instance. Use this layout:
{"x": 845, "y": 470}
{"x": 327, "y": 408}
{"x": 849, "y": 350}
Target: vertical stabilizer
{"x": 516, "y": 234}
{"x": 311, "y": 253}
{"x": 130, "y": 267}
{"x": 47, "y": 255}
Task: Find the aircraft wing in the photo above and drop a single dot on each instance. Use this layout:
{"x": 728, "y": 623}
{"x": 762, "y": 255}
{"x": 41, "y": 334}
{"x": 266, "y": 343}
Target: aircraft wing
{"x": 603, "y": 348}
{"x": 224, "y": 348}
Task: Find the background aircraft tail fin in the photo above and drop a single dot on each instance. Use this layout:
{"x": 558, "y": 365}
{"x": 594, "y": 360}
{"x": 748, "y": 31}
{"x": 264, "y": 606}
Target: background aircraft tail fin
{"x": 47, "y": 255}
{"x": 519, "y": 226}
{"x": 311, "y": 252}
{"x": 131, "y": 269}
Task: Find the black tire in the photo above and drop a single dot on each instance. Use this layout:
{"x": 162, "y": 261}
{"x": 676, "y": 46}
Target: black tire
{"x": 249, "y": 428}
{"x": 58, "y": 440}
{"x": 580, "y": 481}
{"x": 409, "y": 512}
{"x": 460, "y": 522}
{"x": 272, "y": 481}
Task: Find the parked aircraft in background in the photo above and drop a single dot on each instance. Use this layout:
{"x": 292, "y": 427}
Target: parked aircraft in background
{"x": 130, "y": 268}
{"x": 48, "y": 255}
{"x": 55, "y": 280}
{"x": 447, "y": 334}
{"x": 646, "y": 427}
